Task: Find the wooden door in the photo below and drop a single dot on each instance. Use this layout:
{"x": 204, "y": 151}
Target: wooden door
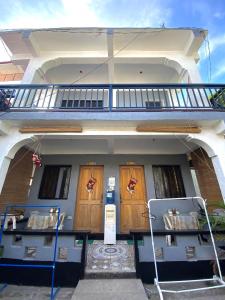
{"x": 133, "y": 211}
{"x": 89, "y": 204}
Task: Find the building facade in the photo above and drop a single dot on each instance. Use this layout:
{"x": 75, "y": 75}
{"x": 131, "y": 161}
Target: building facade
{"x": 95, "y": 104}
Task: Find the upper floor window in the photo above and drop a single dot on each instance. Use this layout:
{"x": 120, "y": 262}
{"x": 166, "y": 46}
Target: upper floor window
{"x": 55, "y": 182}
{"x": 86, "y": 98}
{"x": 168, "y": 182}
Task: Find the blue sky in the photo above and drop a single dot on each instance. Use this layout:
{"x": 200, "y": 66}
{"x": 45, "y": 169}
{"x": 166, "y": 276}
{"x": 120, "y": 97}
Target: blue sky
{"x": 208, "y": 14}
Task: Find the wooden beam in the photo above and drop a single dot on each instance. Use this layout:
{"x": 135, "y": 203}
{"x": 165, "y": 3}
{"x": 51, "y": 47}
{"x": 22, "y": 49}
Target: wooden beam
{"x": 50, "y": 129}
{"x": 178, "y": 129}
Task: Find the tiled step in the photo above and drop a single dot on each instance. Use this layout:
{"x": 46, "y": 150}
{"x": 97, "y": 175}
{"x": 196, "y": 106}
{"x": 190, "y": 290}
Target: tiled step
{"x": 110, "y": 261}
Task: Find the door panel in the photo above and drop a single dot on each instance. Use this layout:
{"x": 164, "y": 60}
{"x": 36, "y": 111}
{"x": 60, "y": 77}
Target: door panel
{"x": 96, "y": 218}
{"x": 132, "y": 203}
{"x": 89, "y": 204}
{"x": 81, "y": 217}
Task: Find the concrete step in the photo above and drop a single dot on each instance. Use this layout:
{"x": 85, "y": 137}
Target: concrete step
{"x": 110, "y": 289}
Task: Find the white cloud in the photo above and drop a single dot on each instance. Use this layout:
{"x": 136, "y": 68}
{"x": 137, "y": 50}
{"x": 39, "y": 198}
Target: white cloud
{"x": 85, "y": 13}
{"x": 216, "y": 42}
{"x": 133, "y": 13}
{"x": 75, "y": 13}
{"x": 220, "y": 70}
{"x": 79, "y": 13}
{"x": 215, "y": 61}
{"x": 211, "y": 45}
{"x": 219, "y": 15}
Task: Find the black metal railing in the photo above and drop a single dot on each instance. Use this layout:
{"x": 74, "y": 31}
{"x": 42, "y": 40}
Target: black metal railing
{"x": 113, "y": 97}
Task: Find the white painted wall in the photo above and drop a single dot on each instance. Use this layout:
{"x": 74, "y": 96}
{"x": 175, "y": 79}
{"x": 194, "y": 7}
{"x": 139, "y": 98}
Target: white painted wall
{"x": 114, "y": 145}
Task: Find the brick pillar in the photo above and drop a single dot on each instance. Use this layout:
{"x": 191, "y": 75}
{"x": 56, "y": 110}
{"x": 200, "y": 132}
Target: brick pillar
{"x": 207, "y": 179}
{"x": 16, "y": 185}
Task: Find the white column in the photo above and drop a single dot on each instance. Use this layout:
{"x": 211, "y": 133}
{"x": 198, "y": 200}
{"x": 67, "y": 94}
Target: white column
{"x": 4, "y": 166}
{"x": 219, "y": 167}
{"x": 33, "y": 71}
{"x": 189, "y": 64}
{"x": 30, "y": 71}
{"x": 110, "y": 48}
{"x": 218, "y": 160}
{"x": 194, "y": 73}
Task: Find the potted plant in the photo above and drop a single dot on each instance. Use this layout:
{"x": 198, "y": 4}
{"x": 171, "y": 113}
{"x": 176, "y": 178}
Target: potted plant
{"x": 217, "y": 222}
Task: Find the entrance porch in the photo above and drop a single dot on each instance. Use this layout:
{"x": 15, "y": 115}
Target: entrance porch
{"x": 76, "y": 169}
{"x": 74, "y": 175}
{"x": 63, "y": 180}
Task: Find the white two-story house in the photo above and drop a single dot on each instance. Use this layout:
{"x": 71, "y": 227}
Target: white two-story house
{"x": 96, "y": 103}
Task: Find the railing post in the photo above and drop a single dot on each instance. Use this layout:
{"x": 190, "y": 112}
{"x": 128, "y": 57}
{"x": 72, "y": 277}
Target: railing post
{"x": 110, "y": 97}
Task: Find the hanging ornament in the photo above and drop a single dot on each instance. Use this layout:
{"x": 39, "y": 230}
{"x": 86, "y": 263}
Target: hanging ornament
{"x": 131, "y": 185}
{"x": 90, "y": 185}
{"x": 36, "y": 157}
{"x": 36, "y": 160}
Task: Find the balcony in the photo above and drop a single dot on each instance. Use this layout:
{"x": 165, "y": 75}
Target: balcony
{"x": 116, "y": 97}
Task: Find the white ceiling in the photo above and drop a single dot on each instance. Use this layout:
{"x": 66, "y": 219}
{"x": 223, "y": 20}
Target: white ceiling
{"x": 95, "y": 39}
{"x": 85, "y": 73}
{"x": 123, "y": 73}
{"x": 73, "y": 41}
{"x": 153, "y": 40}
{"x": 144, "y": 73}
{"x": 115, "y": 145}
{"x": 89, "y": 124}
